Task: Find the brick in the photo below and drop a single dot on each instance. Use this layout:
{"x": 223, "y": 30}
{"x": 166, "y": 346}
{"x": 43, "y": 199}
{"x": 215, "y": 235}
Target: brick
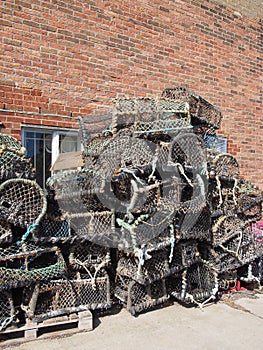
{"x": 67, "y": 58}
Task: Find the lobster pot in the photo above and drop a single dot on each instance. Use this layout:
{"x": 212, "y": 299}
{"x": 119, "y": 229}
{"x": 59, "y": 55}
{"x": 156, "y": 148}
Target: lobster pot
{"x": 207, "y": 114}
{"x": 196, "y": 225}
{"x": 75, "y": 193}
{"x": 227, "y": 280}
{"x": 184, "y": 255}
{"x": 253, "y": 272}
{"x": 5, "y": 232}
{"x": 223, "y": 165}
{"x": 60, "y": 297}
{"x": 13, "y": 165}
{"x": 226, "y": 228}
{"x": 153, "y": 269}
{"x": 181, "y": 94}
{"x": 7, "y": 309}
{"x": 188, "y": 150}
{"x": 239, "y": 248}
{"x": 222, "y": 260}
{"x": 148, "y": 115}
{"x": 196, "y": 284}
{"x": 22, "y": 202}
{"x": 88, "y": 256}
{"x": 53, "y": 230}
{"x": 137, "y": 297}
{"x": 94, "y": 130}
{"x": 235, "y": 252}
{"x": 202, "y": 112}
{"x": 251, "y": 207}
{"x": 93, "y": 148}
{"x": 97, "y": 227}
{"x": 23, "y": 265}
{"x": 11, "y": 144}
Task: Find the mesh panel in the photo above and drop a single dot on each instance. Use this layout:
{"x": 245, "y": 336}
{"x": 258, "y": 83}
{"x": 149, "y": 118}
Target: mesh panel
{"x": 185, "y": 254}
{"x": 208, "y": 113}
{"x": 196, "y": 225}
{"x": 10, "y": 143}
{"x": 66, "y": 296}
{"x": 142, "y": 297}
{"x": 225, "y": 228}
{"x": 188, "y": 150}
{"x": 198, "y": 283}
{"x": 153, "y": 269}
{"x": 25, "y": 264}
{"x": 5, "y": 232}
{"x": 150, "y": 114}
{"x": 201, "y": 110}
{"x": 13, "y": 165}
{"x": 22, "y": 202}
{"x": 53, "y": 229}
{"x": 225, "y": 166}
{"x": 7, "y": 311}
{"x": 181, "y": 94}
{"x": 227, "y": 280}
{"x": 87, "y": 255}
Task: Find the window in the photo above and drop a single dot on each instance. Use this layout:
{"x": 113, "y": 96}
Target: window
{"x": 44, "y": 145}
{"x": 221, "y": 144}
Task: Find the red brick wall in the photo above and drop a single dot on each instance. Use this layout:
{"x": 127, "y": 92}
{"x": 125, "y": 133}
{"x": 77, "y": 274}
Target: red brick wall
{"x": 71, "y": 57}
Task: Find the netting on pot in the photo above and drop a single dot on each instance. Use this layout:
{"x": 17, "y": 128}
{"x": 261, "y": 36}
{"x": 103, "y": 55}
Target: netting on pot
{"x": 22, "y": 265}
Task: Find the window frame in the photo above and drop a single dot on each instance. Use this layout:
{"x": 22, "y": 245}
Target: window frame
{"x": 55, "y": 133}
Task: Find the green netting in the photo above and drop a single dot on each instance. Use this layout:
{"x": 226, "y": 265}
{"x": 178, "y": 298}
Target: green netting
{"x": 25, "y": 264}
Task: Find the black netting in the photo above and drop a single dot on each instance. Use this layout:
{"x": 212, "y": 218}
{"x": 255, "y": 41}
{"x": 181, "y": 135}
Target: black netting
{"x": 7, "y": 310}
{"x": 202, "y": 112}
{"x": 13, "y": 165}
{"x": 22, "y": 202}
{"x": 198, "y": 283}
{"x": 5, "y": 232}
{"x": 65, "y": 296}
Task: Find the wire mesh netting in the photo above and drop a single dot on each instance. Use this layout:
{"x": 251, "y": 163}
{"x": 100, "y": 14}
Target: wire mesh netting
{"x": 13, "y": 165}
{"x": 23, "y": 265}
{"x": 10, "y": 143}
{"x": 22, "y": 202}
{"x": 153, "y": 269}
{"x": 53, "y": 230}
{"x": 89, "y": 257}
{"x": 154, "y": 211}
{"x": 202, "y": 112}
{"x": 147, "y": 115}
{"x": 196, "y": 284}
{"x": 7, "y": 309}
{"x": 137, "y": 297}
{"x": 58, "y": 297}
{"x": 6, "y": 235}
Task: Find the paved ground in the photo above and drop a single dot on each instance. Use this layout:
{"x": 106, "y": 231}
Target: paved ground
{"x": 233, "y": 323}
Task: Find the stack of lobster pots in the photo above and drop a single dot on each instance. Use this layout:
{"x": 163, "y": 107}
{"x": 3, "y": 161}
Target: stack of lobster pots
{"x": 156, "y": 212}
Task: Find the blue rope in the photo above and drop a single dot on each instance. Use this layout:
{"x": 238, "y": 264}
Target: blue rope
{"x": 30, "y": 229}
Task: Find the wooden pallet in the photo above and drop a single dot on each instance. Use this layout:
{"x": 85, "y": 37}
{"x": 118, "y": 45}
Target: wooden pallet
{"x": 83, "y": 321}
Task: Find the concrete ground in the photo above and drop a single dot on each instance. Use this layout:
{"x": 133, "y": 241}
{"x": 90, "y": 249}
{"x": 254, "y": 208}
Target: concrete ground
{"x": 235, "y": 322}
